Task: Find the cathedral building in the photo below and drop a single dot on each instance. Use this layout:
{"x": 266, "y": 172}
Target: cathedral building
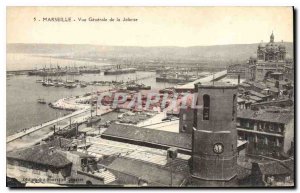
{"x": 270, "y": 61}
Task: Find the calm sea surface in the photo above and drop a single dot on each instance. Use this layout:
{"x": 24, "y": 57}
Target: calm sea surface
{"x": 22, "y": 92}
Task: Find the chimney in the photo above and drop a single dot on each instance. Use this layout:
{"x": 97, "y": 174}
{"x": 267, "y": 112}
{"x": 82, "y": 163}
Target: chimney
{"x": 239, "y": 79}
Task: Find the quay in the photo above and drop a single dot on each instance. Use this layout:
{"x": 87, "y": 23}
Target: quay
{"x": 39, "y": 133}
{"x": 190, "y": 85}
{"x": 81, "y": 114}
{"x": 35, "y": 128}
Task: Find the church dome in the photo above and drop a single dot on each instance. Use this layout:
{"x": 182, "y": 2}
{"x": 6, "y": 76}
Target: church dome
{"x": 281, "y": 46}
{"x": 261, "y": 45}
{"x": 253, "y": 57}
{"x": 276, "y": 47}
{"x": 272, "y": 47}
{"x": 269, "y": 46}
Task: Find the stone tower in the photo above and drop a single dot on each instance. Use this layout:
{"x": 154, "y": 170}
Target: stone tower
{"x": 214, "y": 145}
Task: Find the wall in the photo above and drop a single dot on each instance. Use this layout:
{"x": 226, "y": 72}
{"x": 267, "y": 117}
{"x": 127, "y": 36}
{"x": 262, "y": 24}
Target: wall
{"x": 186, "y": 117}
{"x": 25, "y": 172}
{"x": 288, "y": 135}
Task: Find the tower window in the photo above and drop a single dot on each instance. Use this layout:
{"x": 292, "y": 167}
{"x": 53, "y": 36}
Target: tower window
{"x": 184, "y": 127}
{"x": 206, "y": 106}
{"x": 233, "y": 107}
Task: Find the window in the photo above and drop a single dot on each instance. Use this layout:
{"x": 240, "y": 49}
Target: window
{"x": 266, "y": 141}
{"x": 270, "y": 127}
{"x": 233, "y": 107}
{"x": 280, "y": 128}
{"x": 238, "y": 122}
{"x": 206, "y": 106}
{"x": 278, "y": 144}
{"x": 184, "y": 127}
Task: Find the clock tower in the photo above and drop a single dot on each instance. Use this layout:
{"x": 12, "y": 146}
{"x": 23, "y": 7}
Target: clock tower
{"x": 214, "y": 145}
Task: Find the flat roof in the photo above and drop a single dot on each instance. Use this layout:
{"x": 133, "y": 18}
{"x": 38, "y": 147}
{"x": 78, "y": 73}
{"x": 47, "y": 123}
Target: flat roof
{"x": 151, "y": 136}
{"x": 106, "y": 148}
{"x": 252, "y": 92}
{"x": 265, "y": 116}
{"x": 159, "y": 137}
{"x": 153, "y": 174}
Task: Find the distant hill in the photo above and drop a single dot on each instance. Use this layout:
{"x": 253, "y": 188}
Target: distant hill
{"x": 237, "y": 52}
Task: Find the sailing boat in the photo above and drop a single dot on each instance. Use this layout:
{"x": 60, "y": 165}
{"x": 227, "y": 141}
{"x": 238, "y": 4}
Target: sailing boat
{"x": 47, "y": 83}
{"x": 59, "y": 83}
{"x": 70, "y": 83}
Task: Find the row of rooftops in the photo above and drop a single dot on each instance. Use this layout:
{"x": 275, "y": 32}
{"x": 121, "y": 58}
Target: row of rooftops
{"x": 154, "y": 174}
{"x": 157, "y": 175}
{"x": 44, "y": 155}
{"x": 151, "y": 136}
{"x": 260, "y": 86}
{"x": 282, "y": 117}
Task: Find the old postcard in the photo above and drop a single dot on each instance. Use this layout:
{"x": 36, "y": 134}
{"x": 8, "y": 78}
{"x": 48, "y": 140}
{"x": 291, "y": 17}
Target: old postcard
{"x": 150, "y": 97}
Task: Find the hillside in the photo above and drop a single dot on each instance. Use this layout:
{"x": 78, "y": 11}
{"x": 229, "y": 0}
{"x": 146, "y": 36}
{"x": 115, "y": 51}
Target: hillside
{"x": 238, "y": 52}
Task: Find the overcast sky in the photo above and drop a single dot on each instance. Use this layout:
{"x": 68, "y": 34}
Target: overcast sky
{"x": 156, "y": 26}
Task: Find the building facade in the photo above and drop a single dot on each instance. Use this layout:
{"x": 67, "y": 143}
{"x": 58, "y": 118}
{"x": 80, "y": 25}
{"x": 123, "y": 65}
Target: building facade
{"x": 268, "y": 134}
{"x": 270, "y": 59}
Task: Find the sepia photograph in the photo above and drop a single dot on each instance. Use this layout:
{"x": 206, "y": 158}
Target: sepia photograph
{"x": 185, "y": 97}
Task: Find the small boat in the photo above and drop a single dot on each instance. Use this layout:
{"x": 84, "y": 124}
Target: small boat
{"x": 82, "y": 85}
{"x": 39, "y": 81}
{"x": 138, "y": 87}
{"x": 67, "y": 132}
{"x": 144, "y": 87}
{"x": 48, "y": 83}
{"x": 41, "y": 101}
{"x": 59, "y": 84}
{"x": 70, "y": 85}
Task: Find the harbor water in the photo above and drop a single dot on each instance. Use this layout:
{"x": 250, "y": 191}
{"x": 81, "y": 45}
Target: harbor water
{"x": 22, "y": 93}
